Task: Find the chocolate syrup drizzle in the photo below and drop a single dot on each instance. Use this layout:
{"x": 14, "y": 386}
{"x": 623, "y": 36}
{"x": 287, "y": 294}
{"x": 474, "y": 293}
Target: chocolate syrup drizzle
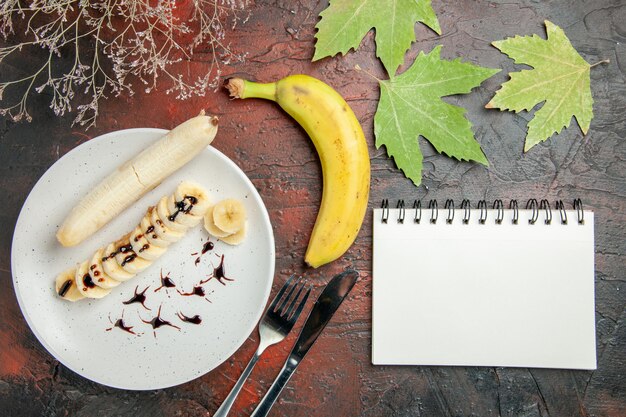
{"x": 182, "y": 207}
{"x": 166, "y": 282}
{"x": 218, "y": 273}
{"x": 119, "y": 323}
{"x": 87, "y": 282}
{"x": 139, "y": 297}
{"x": 208, "y": 245}
{"x": 194, "y": 320}
{"x": 121, "y": 249}
{"x": 157, "y": 322}
{"x": 65, "y": 288}
{"x": 197, "y": 290}
{"x": 96, "y": 272}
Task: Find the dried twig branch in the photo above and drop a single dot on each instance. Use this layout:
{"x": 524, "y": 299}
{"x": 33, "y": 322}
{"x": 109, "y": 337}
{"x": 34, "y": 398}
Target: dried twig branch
{"x": 113, "y": 44}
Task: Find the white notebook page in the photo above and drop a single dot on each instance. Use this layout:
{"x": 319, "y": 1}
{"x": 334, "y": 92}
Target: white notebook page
{"x": 484, "y": 294}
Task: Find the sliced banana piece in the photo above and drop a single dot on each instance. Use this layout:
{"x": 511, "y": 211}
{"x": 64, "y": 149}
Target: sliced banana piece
{"x": 142, "y": 247}
{"x": 65, "y": 286}
{"x": 85, "y": 284}
{"x": 149, "y": 233}
{"x": 162, "y": 231}
{"x": 169, "y": 218}
{"x": 128, "y": 259}
{"x": 96, "y": 271}
{"x": 236, "y": 238}
{"x": 210, "y": 226}
{"x": 229, "y": 215}
{"x": 182, "y": 217}
{"x": 110, "y": 265}
{"x": 194, "y": 197}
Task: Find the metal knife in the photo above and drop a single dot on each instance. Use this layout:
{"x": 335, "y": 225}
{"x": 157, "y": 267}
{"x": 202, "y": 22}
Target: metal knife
{"x": 327, "y": 303}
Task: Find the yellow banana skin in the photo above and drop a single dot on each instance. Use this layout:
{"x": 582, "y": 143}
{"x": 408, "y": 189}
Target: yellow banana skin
{"x": 340, "y": 143}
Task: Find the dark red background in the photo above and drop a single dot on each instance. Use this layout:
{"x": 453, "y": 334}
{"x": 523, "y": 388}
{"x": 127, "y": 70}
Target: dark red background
{"x": 337, "y": 378}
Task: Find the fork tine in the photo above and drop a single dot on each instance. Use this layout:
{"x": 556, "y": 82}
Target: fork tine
{"x": 294, "y": 317}
{"x": 286, "y": 298}
{"x": 289, "y": 309}
{"x": 280, "y": 293}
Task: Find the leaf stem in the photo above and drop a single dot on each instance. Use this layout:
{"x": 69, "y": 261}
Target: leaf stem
{"x": 604, "y": 61}
{"x": 358, "y": 68}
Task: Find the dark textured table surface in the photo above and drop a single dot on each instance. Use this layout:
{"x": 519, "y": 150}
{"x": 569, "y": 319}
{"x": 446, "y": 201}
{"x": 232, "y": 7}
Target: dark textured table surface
{"x": 337, "y": 379}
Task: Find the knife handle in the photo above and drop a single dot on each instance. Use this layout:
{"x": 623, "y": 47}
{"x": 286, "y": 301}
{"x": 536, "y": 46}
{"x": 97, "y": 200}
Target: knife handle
{"x": 279, "y": 383}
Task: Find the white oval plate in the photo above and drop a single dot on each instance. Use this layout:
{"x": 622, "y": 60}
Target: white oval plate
{"x": 75, "y": 333}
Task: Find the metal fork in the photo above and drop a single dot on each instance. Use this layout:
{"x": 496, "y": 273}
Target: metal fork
{"x": 275, "y": 325}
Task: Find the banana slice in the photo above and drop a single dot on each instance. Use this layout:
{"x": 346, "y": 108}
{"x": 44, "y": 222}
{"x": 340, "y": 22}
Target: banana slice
{"x": 184, "y": 218}
{"x": 85, "y": 285}
{"x": 229, "y": 215}
{"x": 65, "y": 286}
{"x": 162, "y": 231}
{"x": 168, "y": 218}
{"x": 210, "y": 226}
{"x": 110, "y": 265}
{"x": 142, "y": 247}
{"x": 128, "y": 259}
{"x": 236, "y": 238}
{"x": 98, "y": 276}
{"x": 194, "y": 196}
{"x": 149, "y": 233}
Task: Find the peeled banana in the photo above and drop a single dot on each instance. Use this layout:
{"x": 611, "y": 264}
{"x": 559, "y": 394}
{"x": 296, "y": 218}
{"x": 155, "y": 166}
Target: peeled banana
{"x": 135, "y": 251}
{"x": 136, "y": 177}
{"x": 340, "y": 143}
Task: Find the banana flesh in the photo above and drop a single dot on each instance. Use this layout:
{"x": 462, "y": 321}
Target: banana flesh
{"x": 132, "y": 253}
{"x": 85, "y": 285}
{"x": 137, "y": 176}
{"x": 65, "y": 286}
{"x": 340, "y": 143}
{"x": 227, "y": 221}
{"x": 96, "y": 271}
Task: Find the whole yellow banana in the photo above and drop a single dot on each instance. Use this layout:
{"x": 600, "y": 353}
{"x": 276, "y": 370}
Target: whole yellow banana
{"x": 340, "y": 143}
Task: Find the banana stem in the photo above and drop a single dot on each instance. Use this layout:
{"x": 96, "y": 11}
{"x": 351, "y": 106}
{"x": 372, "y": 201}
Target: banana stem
{"x": 240, "y": 88}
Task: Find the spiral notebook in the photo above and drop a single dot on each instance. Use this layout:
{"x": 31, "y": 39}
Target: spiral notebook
{"x": 492, "y": 285}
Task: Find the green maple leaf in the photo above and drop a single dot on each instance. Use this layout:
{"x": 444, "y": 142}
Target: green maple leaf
{"x": 560, "y": 78}
{"x": 345, "y": 22}
{"x": 410, "y": 105}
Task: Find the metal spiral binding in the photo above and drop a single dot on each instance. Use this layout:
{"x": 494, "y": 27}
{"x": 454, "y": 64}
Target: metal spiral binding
{"x": 467, "y": 210}
{"x": 434, "y": 211}
{"x": 532, "y": 205}
{"x": 578, "y": 206}
{"x": 385, "y": 207}
{"x": 544, "y": 205}
{"x": 450, "y": 207}
{"x": 561, "y": 208}
{"x": 417, "y": 205}
{"x": 498, "y": 206}
{"x": 482, "y": 206}
{"x": 513, "y": 206}
{"x": 400, "y": 206}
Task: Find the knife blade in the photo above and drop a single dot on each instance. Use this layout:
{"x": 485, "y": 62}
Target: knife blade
{"x": 325, "y": 306}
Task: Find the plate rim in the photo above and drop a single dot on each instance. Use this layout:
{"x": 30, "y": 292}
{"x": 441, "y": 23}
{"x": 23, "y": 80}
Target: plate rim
{"x": 54, "y": 353}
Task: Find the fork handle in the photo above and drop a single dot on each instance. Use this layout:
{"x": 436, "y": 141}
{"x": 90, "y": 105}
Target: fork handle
{"x": 279, "y": 383}
{"x": 232, "y": 395}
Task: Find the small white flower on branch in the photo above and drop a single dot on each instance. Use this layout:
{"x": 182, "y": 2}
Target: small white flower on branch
{"x": 101, "y": 45}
